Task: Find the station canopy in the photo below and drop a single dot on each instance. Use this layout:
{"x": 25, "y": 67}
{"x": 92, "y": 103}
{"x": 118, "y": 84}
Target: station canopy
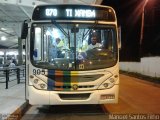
{"x": 14, "y": 12}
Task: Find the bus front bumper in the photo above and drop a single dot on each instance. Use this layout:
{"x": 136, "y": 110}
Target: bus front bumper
{"x": 42, "y": 97}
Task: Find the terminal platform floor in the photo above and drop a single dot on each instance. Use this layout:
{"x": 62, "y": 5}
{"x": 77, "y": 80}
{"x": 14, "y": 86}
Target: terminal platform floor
{"x": 11, "y": 99}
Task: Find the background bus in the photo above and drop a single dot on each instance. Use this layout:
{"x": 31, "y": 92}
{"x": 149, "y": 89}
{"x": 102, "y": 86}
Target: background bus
{"x": 61, "y": 68}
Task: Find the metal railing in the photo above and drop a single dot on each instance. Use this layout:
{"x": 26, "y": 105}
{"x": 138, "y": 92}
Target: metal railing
{"x": 8, "y": 74}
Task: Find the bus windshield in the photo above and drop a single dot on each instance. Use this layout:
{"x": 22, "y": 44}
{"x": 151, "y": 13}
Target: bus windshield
{"x": 73, "y": 46}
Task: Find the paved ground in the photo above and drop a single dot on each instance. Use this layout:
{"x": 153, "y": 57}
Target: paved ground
{"x": 135, "y": 97}
{"x": 11, "y": 99}
{"x": 65, "y": 112}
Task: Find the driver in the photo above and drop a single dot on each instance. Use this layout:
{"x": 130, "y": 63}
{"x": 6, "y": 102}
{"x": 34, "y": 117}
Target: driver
{"x": 60, "y": 46}
{"x": 94, "y": 43}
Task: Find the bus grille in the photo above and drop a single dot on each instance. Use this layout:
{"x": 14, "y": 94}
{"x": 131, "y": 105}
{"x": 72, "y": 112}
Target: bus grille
{"x": 81, "y": 96}
{"x": 72, "y": 83}
{"x": 70, "y": 87}
{"x": 81, "y": 78}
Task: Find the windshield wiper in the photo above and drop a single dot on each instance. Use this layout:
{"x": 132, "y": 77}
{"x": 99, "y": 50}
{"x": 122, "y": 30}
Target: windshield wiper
{"x": 88, "y": 31}
{"x": 60, "y": 28}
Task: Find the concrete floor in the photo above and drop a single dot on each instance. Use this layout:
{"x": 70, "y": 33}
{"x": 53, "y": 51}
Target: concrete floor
{"x": 135, "y": 97}
{"x": 11, "y": 99}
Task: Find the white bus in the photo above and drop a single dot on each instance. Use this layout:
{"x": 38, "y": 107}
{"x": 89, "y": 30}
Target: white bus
{"x": 61, "y": 68}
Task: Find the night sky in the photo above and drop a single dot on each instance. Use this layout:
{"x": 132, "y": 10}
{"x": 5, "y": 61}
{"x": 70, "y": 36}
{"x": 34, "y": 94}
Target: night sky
{"x": 129, "y": 14}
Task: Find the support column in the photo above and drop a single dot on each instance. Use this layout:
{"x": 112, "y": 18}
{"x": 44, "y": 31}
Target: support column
{"x": 20, "y": 54}
{"x": 5, "y": 57}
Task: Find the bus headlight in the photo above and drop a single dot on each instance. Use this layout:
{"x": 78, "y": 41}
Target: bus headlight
{"x": 35, "y": 81}
{"x": 108, "y": 83}
{"x": 39, "y": 84}
{"x": 42, "y": 85}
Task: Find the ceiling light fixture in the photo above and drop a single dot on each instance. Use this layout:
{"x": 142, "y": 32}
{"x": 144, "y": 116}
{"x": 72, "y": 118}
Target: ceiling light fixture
{"x": 3, "y": 38}
{"x": 3, "y": 29}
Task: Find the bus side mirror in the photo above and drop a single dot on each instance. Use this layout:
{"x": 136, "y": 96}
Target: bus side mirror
{"x": 119, "y": 37}
{"x": 24, "y": 30}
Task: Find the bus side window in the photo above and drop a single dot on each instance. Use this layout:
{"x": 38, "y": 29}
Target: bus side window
{"x": 37, "y": 43}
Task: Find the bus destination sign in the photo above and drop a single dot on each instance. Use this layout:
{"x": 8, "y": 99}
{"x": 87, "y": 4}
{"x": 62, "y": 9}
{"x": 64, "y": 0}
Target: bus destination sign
{"x": 73, "y": 12}
{"x": 82, "y": 13}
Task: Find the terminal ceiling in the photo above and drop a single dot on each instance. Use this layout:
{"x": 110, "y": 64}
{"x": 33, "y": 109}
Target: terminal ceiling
{"x": 14, "y": 12}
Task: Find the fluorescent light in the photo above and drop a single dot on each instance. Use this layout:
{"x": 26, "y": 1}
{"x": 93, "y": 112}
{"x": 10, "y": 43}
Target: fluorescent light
{"x": 1, "y": 53}
{"x": 3, "y": 29}
{"x": 23, "y": 53}
{"x": 38, "y": 30}
{"x": 56, "y": 33}
{"x": 3, "y": 38}
{"x": 12, "y": 53}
